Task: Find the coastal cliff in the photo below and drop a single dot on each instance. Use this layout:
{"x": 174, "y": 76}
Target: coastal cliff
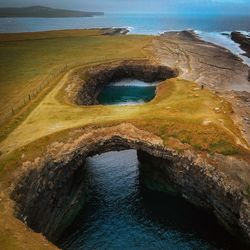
{"x": 50, "y": 192}
{"x": 189, "y": 138}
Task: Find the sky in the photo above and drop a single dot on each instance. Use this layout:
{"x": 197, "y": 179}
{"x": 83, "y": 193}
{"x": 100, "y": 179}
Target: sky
{"x": 142, "y": 6}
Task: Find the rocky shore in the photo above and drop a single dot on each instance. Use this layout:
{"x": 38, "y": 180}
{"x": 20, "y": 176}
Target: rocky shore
{"x": 243, "y": 40}
{"x": 210, "y": 65}
{"x": 114, "y": 31}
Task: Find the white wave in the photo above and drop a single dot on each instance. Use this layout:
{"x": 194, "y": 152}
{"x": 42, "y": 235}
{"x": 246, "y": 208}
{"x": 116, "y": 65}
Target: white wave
{"x": 130, "y": 103}
{"x": 170, "y": 30}
{"x": 224, "y": 41}
{"x": 129, "y": 28}
{"x": 245, "y": 33}
{"x": 134, "y": 83}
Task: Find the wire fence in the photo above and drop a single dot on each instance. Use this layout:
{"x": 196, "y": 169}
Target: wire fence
{"x": 14, "y": 108}
{"x": 52, "y": 76}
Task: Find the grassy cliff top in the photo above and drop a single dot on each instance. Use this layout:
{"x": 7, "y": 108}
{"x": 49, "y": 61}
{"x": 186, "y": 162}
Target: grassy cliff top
{"x": 180, "y": 110}
{"x": 182, "y": 114}
{"x": 31, "y": 62}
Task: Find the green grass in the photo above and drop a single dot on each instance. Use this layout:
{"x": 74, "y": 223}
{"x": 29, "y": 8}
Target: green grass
{"x": 179, "y": 111}
{"x": 27, "y": 59}
{"x": 222, "y": 146}
{"x": 184, "y": 116}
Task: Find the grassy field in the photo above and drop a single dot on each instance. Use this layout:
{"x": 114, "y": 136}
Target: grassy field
{"x": 28, "y": 59}
{"x": 181, "y": 111}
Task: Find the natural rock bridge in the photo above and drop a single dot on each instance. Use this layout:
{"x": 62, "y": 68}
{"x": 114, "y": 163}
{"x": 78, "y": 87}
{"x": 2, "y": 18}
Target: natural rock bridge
{"x": 51, "y": 190}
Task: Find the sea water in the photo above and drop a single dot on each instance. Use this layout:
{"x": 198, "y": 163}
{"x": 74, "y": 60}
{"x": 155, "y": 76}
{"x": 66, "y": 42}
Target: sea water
{"x": 127, "y": 92}
{"x": 122, "y": 214}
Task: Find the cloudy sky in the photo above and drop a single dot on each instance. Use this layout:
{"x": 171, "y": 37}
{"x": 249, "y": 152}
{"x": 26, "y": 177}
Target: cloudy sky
{"x": 196, "y": 6}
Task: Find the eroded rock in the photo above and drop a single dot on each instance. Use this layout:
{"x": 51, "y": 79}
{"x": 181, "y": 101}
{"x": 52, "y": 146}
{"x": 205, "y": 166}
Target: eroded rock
{"x": 85, "y": 85}
{"x": 243, "y": 40}
{"x": 49, "y": 194}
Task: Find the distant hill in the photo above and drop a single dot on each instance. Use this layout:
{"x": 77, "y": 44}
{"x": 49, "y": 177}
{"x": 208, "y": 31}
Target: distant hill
{"x": 40, "y": 11}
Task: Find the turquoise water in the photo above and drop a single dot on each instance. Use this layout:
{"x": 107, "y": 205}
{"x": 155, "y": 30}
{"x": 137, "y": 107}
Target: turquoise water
{"x": 122, "y": 214}
{"x": 127, "y": 92}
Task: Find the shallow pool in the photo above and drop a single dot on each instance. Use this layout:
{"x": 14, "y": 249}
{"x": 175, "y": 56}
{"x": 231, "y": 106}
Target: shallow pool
{"x": 127, "y": 92}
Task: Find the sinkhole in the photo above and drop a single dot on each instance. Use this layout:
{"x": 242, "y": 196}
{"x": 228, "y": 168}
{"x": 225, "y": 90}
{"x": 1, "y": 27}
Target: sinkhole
{"x": 125, "y": 82}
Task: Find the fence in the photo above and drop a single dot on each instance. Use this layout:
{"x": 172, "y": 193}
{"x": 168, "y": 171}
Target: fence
{"x": 14, "y": 108}
{"x": 26, "y": 99}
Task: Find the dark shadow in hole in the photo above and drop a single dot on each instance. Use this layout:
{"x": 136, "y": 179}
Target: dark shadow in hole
{"x": 149, "y": 218}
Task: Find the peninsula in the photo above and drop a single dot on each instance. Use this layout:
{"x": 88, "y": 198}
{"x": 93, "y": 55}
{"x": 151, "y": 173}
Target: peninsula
{"x": 41, "y": 11}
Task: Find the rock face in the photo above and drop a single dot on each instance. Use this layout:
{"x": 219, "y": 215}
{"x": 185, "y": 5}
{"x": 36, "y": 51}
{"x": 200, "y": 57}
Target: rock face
{"x": 49, "y": 194}
{"x": 243, "y": 40}
{"x": 200, "y": 184}
{"x": 51, "y": 197}
{"x": 85, "y": 92}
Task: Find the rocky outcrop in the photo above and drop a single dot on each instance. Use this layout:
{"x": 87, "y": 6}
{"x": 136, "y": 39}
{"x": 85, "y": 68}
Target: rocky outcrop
{"x": 50, "y": 197}
{"x": 85, "y": 86}
{"x": 199, "y": 183}
{"x": 188, "y": 35}
{"x": 114, "y": 31}
{"x": 205, "y": 63}
{"x": 49, "y": 194}
{"x": 243, "y": 40}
